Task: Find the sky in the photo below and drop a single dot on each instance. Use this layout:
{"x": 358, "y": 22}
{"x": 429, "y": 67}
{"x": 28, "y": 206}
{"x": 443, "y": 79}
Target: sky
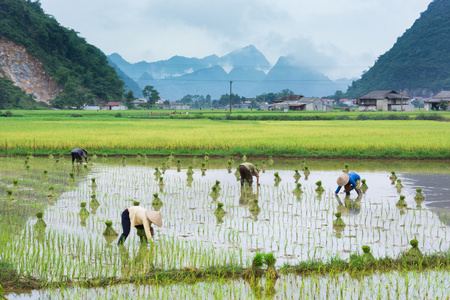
{"x": 339, "y": 38}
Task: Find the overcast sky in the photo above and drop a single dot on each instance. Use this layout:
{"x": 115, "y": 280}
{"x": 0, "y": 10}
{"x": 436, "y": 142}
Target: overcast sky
{"x": 340, "y": 38}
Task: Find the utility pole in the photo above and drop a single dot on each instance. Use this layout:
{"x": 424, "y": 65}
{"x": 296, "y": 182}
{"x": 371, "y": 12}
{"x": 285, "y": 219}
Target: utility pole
{"x": 231, "y": 82}
{"x": 402, "y": 101}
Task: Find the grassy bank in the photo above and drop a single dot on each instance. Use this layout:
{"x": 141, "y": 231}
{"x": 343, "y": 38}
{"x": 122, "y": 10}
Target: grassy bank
{"x": 44, "y": 133}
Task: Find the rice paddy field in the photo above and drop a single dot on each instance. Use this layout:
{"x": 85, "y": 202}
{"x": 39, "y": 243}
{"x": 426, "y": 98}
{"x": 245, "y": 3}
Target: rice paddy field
{"x": 287, "y": 216}
{"x": 42, "y": 133}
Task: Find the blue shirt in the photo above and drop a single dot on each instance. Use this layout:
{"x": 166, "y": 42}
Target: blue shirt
{"x": 79, "y": 151}
{"x": 353, "y": 177}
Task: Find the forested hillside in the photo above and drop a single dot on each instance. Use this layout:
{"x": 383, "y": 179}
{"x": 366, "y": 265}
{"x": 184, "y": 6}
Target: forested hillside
{"x": 79, "y": 68}
{"x": 419, "y": 62}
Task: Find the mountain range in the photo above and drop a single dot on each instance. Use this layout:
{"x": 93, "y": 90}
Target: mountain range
{"x": 248, "y": 69}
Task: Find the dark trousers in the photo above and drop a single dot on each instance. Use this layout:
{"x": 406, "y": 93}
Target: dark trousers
{"x": 245, "y": 174}
{"x": 76, "y": 156}
{"x": 126, "y": 226}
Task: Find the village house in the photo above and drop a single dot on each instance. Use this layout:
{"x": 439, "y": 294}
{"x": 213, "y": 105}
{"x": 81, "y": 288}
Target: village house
{"x": 173, "y": 105}
{"x": 139, "y": 101}
{"x": 384, "y": 100}
{"x": 432, "y": 104}
{"x": 115, "y": 106}
{"x": 297, "y": 102}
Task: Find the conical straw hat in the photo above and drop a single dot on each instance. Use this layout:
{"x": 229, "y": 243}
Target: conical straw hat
{"x": 343, "y": 179}
{"x": 154, "y": 217}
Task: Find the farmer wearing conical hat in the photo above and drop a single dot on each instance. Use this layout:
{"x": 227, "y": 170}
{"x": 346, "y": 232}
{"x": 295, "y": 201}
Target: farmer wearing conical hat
{"x": 247, "y": 171}
{"x": 140, "y": 218}
{"x": 78, "y": 154}
{"x": 349, "y": 181}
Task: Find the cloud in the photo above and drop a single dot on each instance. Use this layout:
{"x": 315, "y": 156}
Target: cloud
{"x": 344, "y": 34}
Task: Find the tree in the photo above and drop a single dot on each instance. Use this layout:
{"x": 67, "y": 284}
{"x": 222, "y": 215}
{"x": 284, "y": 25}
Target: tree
{"x": 443, "y": 105}
{"x": 152, "y": 94}
{"x": 287, "y": 92}
{"x": 129, "y": 98}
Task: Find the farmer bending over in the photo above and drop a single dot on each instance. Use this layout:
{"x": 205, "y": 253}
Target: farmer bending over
{"x": 349, "y": 181}
{"x": 78, "y": 154}
{"x": 140, "y": 218}
{"x": 247, "y": 171}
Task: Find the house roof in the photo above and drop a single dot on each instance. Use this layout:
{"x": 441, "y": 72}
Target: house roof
{"x": 300, "y": 101}
{"x": 114, "y": 104}
{"x": 443, "y": 95}
{"x": 382, "y": 94}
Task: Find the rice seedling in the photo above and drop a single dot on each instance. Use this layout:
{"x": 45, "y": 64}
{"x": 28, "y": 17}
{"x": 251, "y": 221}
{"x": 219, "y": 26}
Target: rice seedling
{"x": 319, "y": 188}
{"x": 419, "y": 197}
{"x": 338, "y": 224}
{"x": 277, "y": 178}
{"x": 109, "y": 231}
{"x": 297, "y": 176}
{"x": 40, "y": 223}
{"x": 203, "y": 169}
{"x": 364, "y": 186}
{"x": 393, "y": 176}
{"x": 156, "y": 203}
{"x": 254, "y": 271}
{"x": 190, "y": 171}
{"x": 219, "y": 210}
{"x": 401, "y": 202}
{"x": 306, "y": 171}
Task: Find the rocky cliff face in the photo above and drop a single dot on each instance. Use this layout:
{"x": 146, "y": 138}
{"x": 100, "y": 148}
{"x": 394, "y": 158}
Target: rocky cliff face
{"x": 26, "y": 72}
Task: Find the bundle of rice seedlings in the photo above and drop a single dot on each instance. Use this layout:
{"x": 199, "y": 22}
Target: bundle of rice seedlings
{"x": 109, "y": 231}
{"x": 367, "y": 256}
{"x": 306, "y": 171}
{"x": 189, "y": 172}
{"x": 83, "y": 211}
{"x": 393, "y": 177}
{"x": 364, "y": 186}
{"x": 401, "y": 202}
{"x": 219, "y": 210}
{"x": 345, "y": 170}
{"x": 255, "y": 207}
{"x": 203, "y": 169}
{"x": 40, "y": 223}
{"x": 413, "y": 253}
{"x": 277, "y": 177}
{"x": 217, "y": 185}
{"x": 419, "y": 197}
{"x": 157, "y": 173}
{"x": 214, "y": 193}
{"x": 319, "y": 188}
{"x": 156, "y": 203}
{"x": 255, "y": 270}
{"x": 338, "y": 223}
{"x": 298, "y": 189}
{"x": 297, "y": 175}
{"x": 399, "y": 184}
{"x": 270, "y": 260}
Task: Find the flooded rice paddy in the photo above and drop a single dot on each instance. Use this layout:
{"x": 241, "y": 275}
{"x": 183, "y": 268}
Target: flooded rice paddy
{"x": 294, "y": 227}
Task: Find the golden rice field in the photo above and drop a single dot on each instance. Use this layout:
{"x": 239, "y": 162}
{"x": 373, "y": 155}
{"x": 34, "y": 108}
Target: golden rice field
{"x": 338, "y": 138}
